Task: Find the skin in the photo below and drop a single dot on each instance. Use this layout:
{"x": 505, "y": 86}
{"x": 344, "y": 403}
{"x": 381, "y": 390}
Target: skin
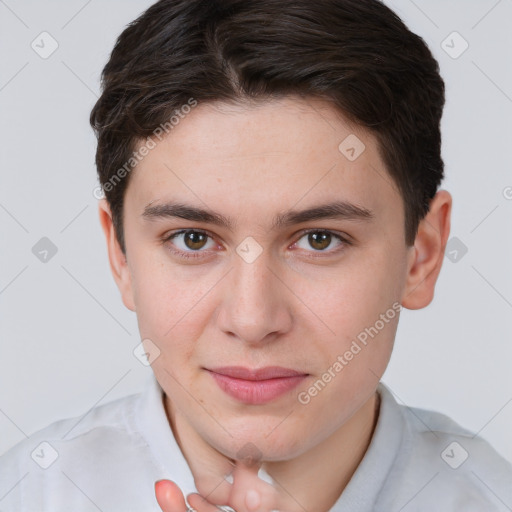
{"x": 297, "y": 305}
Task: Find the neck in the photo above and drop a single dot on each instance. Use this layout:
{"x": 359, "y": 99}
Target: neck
{"x": 315, "y": 479}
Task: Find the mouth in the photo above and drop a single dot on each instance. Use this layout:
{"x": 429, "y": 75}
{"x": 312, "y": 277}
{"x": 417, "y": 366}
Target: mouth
{"x": 256, "y": 386}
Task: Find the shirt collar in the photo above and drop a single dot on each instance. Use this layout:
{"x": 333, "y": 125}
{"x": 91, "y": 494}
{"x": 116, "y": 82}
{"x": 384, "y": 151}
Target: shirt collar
{"x": 364, "y": 487}
{"x": 153, "y": 424}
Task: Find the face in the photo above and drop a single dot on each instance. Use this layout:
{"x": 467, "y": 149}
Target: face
{"x": 269, "y": 286}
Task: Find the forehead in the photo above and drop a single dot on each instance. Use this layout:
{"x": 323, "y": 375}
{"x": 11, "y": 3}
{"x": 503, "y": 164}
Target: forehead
{"x": 270, "y": 154}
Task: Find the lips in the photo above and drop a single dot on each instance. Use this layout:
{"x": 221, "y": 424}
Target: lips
{"x": 269, "y": 372}
{"x": 256, "y": 386}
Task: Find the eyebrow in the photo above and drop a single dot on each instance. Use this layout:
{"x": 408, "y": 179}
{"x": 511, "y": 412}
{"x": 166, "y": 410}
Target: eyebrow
{"x": 334, "y": 210}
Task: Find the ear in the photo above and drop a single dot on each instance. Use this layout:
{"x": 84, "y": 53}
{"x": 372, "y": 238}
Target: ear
{"x": 118, "y": 262}
{"x": 427, "y": 254}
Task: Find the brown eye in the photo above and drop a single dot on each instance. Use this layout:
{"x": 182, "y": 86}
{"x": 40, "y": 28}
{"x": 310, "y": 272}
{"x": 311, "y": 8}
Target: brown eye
{"x": 323, "y": 242}
{"x": 319, "y": 240}
{"x": 194, "y": 240}
{"x": 189, "y": 243}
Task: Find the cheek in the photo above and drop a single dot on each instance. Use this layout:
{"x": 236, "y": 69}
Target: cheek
{"x": 357, "y": 295}
{"x": 166, "y": 300}
{"x": 360, "y": 305}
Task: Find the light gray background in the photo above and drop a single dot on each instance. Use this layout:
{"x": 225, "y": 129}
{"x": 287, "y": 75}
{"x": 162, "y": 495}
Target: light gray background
{"x": 67, "y": 340}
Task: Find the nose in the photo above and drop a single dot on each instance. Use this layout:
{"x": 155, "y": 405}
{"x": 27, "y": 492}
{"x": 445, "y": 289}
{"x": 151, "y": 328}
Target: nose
{"x": 255, "y": 305}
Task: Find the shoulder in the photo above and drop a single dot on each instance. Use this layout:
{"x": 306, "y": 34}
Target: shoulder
{"x": 74, "y": 453}
{"x": 114, "y": 415}
{"x": 444, "y": 466}
{"x": 457, "y": 447}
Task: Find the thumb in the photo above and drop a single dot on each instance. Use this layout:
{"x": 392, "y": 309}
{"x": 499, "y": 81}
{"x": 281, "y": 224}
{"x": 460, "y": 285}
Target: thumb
{"x": 250, "y": 493}
{"x": 169, "y": 496}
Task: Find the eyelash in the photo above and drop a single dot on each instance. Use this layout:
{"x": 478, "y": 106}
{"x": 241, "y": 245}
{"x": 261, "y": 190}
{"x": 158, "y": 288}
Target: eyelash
{"x": 197, "y": 254}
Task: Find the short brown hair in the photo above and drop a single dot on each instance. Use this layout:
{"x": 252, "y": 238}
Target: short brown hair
{"x": 357, "y": 54}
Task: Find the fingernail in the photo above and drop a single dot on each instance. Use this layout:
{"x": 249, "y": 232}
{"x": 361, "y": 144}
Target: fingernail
{"x": 263, "y": 475}
{"x": 252, "y": 499}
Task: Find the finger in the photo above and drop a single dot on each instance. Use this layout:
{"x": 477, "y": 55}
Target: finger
{"x": 250, "y": 493}
{"x": 215, "y": 487}
{"x": 201, "y": 504}
{"x": 169, "y": 497}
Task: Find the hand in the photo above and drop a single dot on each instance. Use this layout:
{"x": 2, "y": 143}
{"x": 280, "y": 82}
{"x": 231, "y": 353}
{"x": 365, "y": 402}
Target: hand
{"x": 248, "y": 493}
{"x": 171, "y": 499}
{"x": 251, "y": 494}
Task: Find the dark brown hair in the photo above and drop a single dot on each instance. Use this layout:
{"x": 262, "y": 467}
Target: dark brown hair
{"x": 357, "y": 54}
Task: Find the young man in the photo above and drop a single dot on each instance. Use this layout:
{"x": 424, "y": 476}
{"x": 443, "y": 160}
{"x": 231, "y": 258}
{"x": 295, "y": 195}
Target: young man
{"x": 271, "y": 172}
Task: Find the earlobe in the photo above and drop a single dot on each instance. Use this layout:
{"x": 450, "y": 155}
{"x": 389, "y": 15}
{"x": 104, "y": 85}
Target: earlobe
{"x": 427, "y": 255}
{"x": 117, "y": 259}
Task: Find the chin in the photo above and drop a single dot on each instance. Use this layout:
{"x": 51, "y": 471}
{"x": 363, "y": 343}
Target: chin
{"x": 251, "y": 448}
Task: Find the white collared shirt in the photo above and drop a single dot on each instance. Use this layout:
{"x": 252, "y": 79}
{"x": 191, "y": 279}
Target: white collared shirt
{"x": 109, "y": 460}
